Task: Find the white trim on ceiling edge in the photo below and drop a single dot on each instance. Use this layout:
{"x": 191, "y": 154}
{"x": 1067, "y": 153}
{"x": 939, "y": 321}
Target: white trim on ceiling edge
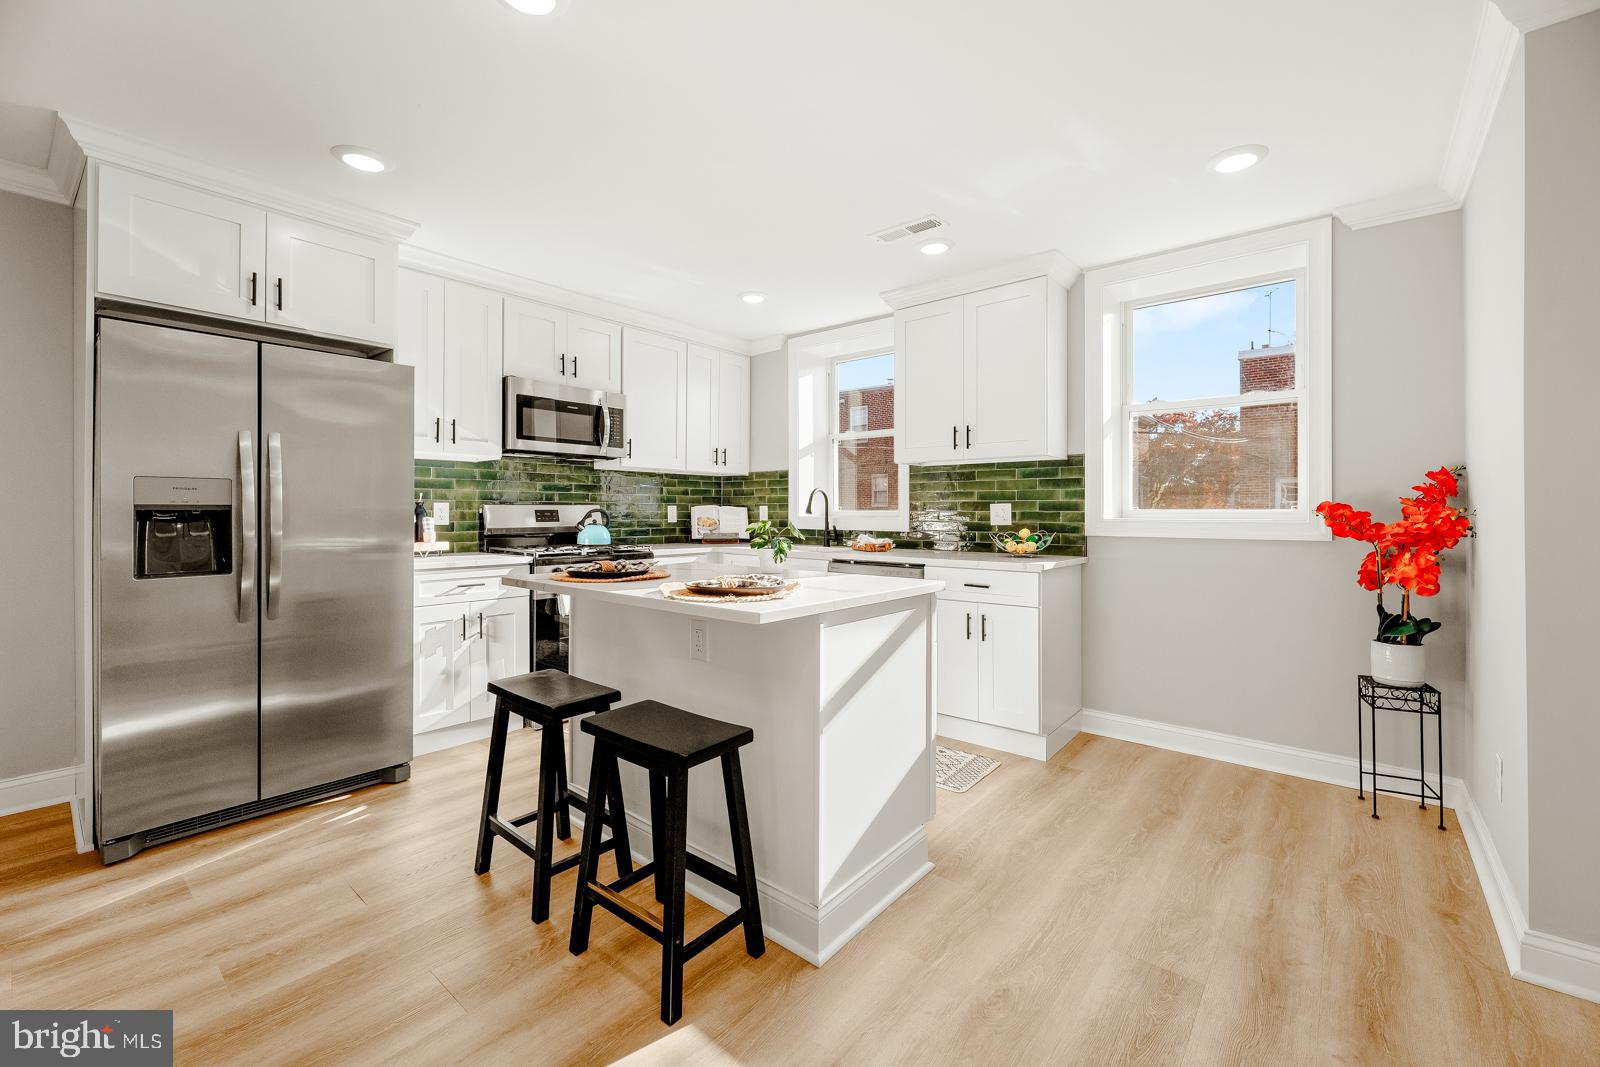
{"x": 1053, "y": 265}
{"x": 1530, "y": 15}
{"x": 45, "y": 789}
{"x": 57, "y": 180}
{"x": 1493, "y": 49}
{"x": 1542, "y": 959}
{"x": 461, "y": 270}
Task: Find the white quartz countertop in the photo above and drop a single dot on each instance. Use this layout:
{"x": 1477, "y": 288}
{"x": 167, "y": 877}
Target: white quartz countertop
{"x": 445, "y": 561}
{"x": 978, "y": 558}
{"x": 818, "y": 594}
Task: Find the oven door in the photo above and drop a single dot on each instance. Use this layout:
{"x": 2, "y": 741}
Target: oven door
{"x": 552, "y": 627}
{"x": 552, "y": 418}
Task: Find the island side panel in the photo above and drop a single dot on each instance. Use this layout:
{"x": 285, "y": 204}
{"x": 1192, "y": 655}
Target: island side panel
{"x": 764, "y": 677}
{"x": 876, "y": 759}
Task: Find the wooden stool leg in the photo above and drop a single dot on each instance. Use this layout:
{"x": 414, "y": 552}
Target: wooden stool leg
{"x": 544, "y": 845}
{"x": 672, "y": 928}
{"x": 618, "y": 822}
{"x": 491, "y": 785}
{"x": 659, "y": 819}
{"x": 601, "y": 766}
{"x": 744, "y": 864}
{"x": 564, "y": 798}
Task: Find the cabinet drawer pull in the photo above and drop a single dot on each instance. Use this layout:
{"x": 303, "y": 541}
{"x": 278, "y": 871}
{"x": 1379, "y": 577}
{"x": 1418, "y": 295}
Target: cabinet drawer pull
{"x": 954, "y": 436}
{"x": 563, "y": 364}
{"x": 463, "y": 629}
{"x": 252, "y": 288}
{"x": 976, "y": 585}
{"x": 452, "y": 431}
{"x": 280, "y": 294}
{"x": 983, "y": 628}
{"x": 436, "y": 421}
{"x": 480, "y": 626}
{"x": 969, "y": 436}
{"x": 969, "y": 626}
{"x": 724, "y": 457}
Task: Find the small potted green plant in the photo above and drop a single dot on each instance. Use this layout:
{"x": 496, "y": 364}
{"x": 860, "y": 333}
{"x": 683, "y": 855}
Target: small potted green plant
{"x": 773, "y": 542}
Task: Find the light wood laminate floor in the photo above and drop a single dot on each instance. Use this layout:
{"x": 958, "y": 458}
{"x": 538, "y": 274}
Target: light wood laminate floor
{"x": 1118, "y": 904}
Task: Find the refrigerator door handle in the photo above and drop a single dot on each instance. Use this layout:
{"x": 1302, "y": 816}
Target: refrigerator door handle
{"x": 247, "y": 528}
{"x": 274, "y": 591}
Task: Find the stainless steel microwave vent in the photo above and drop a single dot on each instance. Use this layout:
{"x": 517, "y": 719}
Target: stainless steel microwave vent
{"x": 909, "y": 229}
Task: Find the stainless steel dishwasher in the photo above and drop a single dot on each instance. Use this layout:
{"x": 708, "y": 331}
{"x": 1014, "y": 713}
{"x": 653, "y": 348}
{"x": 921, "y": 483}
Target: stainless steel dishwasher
{"x": 882, "y": 568}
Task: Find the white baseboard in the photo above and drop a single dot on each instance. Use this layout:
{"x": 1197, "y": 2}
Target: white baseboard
{"x": 450, "y": 736}
{"x": 1542, "y": 959}
{"x": 1245, "y": 751}
{"x": 1017, "y": 742}
{"x": 67, "y": 785}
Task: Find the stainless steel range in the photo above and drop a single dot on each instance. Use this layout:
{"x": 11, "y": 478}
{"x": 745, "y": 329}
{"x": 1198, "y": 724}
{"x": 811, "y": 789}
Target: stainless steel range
{"x": 549, "y": 534}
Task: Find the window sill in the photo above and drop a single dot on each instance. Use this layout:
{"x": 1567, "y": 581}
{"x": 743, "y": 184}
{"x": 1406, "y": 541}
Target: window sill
{"x": 1211, "y": 529}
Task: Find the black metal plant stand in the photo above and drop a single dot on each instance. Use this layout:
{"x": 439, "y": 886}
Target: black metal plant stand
{"x": 1421, "y": 701}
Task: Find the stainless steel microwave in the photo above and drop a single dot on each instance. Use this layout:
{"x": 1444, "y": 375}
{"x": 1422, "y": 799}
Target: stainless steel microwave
{"x": 557, "y": 419}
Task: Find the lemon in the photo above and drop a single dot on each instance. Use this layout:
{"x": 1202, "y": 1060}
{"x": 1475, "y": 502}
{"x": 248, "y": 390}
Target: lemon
{"x": 1023, "y": 533}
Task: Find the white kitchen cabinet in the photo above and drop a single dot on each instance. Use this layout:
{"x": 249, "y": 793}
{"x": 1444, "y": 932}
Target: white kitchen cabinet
{"x": 472, "y": 371}
{"x": 655, "y": 380}
{"x": 498, "y": 630}
{"x": 1009, "y": 659}
{"x": 982, "y": 376}
{"x": 733, "y": 413}
{"x": 469, "y": 630}
{"x": 440, "y": 670}
{"x": 168, "y": 243}
{"x": 165, "y": 243}
{"x": 930, "y": 377}
{"x": 419, "y": 343}
{"x": 551, "y": 344}
{"x": 717, "y": 411}
{"x": 594, "y": 353}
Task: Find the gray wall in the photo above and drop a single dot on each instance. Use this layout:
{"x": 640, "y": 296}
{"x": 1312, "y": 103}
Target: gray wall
{"x": 1562, "y": 379}
{"x": 769, "y": 412}
{"x": 1263, "y": 639}
{"x": 1497, "y": 654}
{"x": 38, "y": 719}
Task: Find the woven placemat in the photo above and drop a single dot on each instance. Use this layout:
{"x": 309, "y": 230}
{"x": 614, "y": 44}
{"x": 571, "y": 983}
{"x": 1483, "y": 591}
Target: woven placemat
{"x": 679, "y": 591}
{"x": 648, "y": 576}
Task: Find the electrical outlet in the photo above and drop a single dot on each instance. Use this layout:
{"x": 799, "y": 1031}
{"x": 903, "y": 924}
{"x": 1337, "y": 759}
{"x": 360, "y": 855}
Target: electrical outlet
{"x": 999, "y": 514}
{"x": 1499, "y": 777}
{"x": 699, "y": 641}
{"x": 441, "y": 513}
{"x": 763, "y": 514}
{"x": 672, "y": 513}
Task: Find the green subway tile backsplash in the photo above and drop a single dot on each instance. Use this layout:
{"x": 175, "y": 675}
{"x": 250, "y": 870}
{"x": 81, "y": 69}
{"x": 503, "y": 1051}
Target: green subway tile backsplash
{"x": 1045, "y": 494}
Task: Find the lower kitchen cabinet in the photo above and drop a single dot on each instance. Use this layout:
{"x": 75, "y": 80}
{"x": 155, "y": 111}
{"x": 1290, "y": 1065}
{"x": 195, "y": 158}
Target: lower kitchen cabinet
{"x": 467, "y": 633}
{"x": 1009, "y": 662}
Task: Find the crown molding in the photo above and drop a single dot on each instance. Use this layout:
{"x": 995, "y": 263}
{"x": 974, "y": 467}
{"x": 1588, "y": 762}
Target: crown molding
{"x": 1530, "y": 15}
{"x": 763, "y": 345}
{"x": 461, "y": 270}
{"x": 1053, "y": 265}
{"x": 57, "y": 180}
{"x": 109, "y": 146}
{"x": 1494, "y": 49}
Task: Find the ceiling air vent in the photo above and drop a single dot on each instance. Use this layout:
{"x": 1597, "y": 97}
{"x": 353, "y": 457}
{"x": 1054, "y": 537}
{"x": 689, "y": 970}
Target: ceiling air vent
{"x": 909, "y": 229}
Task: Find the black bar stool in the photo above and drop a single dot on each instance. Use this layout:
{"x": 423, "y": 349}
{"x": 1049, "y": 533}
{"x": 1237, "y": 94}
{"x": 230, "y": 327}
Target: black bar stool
{"x": 547, "y": 699}
{"x": 667, "y": 741}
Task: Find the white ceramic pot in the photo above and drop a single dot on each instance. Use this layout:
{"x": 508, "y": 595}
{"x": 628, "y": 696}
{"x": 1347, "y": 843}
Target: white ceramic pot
{"x": 1398, "y": 664}
{"x": 768, "y": 565}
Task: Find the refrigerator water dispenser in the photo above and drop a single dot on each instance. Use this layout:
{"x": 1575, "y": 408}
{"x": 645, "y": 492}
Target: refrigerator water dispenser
{"x": 183, "y": 527}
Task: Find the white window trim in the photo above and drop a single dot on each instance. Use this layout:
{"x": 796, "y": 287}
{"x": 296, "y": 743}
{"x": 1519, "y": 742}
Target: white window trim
{"x": 813, "y": 425}
{"x": 1304, "y": 252}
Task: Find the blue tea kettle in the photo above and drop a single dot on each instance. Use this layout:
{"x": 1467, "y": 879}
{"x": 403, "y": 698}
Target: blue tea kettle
{"x": 594, "y": 528}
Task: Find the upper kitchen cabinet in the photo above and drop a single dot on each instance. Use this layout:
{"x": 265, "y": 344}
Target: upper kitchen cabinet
{"x": 330, "y": 281}
{"x": 733, "y": 413}
{"x": 171, "y": 244}
{"x": 451, "y": 334}
{"x": 982, "y": 374}
{"x": 655, "y": 381}
{"x": 716, "y": 411}
{"x": 168, "y": 243}
{"x": 551, "y": 344}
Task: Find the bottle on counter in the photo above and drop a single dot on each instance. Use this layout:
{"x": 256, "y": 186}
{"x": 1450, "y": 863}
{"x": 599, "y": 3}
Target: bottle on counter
{"x": 430, "y": 533}
{"x": 420, "y": 516}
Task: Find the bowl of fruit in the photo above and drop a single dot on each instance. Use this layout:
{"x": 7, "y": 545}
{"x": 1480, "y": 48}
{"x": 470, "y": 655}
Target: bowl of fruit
{"x": 1024, "y": 542}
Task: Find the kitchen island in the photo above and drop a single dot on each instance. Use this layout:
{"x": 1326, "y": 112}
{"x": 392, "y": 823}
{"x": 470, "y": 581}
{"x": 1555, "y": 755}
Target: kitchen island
{"x": 836, "y": 683}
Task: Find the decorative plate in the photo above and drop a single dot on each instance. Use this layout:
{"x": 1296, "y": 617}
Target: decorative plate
{"x": 736, "y": 585}
{"x": 610, "y": 568}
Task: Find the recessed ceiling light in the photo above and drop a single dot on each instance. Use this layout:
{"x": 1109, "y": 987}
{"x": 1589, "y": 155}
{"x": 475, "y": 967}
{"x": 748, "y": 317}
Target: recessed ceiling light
{"x": 753, "y": 297}
{"x": 1240, "y": 157}
{"x": 937, "y": 247}
{"x": 358, "y": 158}
{"x": 535, "y": 7}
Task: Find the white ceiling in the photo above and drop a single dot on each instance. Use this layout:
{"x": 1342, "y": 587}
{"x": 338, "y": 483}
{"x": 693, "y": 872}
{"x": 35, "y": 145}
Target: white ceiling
{"x": 669, "y": 154}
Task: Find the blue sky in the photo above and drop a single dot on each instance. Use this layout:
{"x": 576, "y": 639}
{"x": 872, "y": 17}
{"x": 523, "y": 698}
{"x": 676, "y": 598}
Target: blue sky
{"x": 1190, "y": 348}
{"x": 861, "y": 373}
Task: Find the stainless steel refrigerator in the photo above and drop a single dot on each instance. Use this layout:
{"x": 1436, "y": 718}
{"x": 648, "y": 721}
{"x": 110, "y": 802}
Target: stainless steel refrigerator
{"x": 252, "y": 581}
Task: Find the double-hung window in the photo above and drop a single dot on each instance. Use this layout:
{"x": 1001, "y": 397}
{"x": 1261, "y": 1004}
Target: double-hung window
{"x": 1209, "y": 381}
